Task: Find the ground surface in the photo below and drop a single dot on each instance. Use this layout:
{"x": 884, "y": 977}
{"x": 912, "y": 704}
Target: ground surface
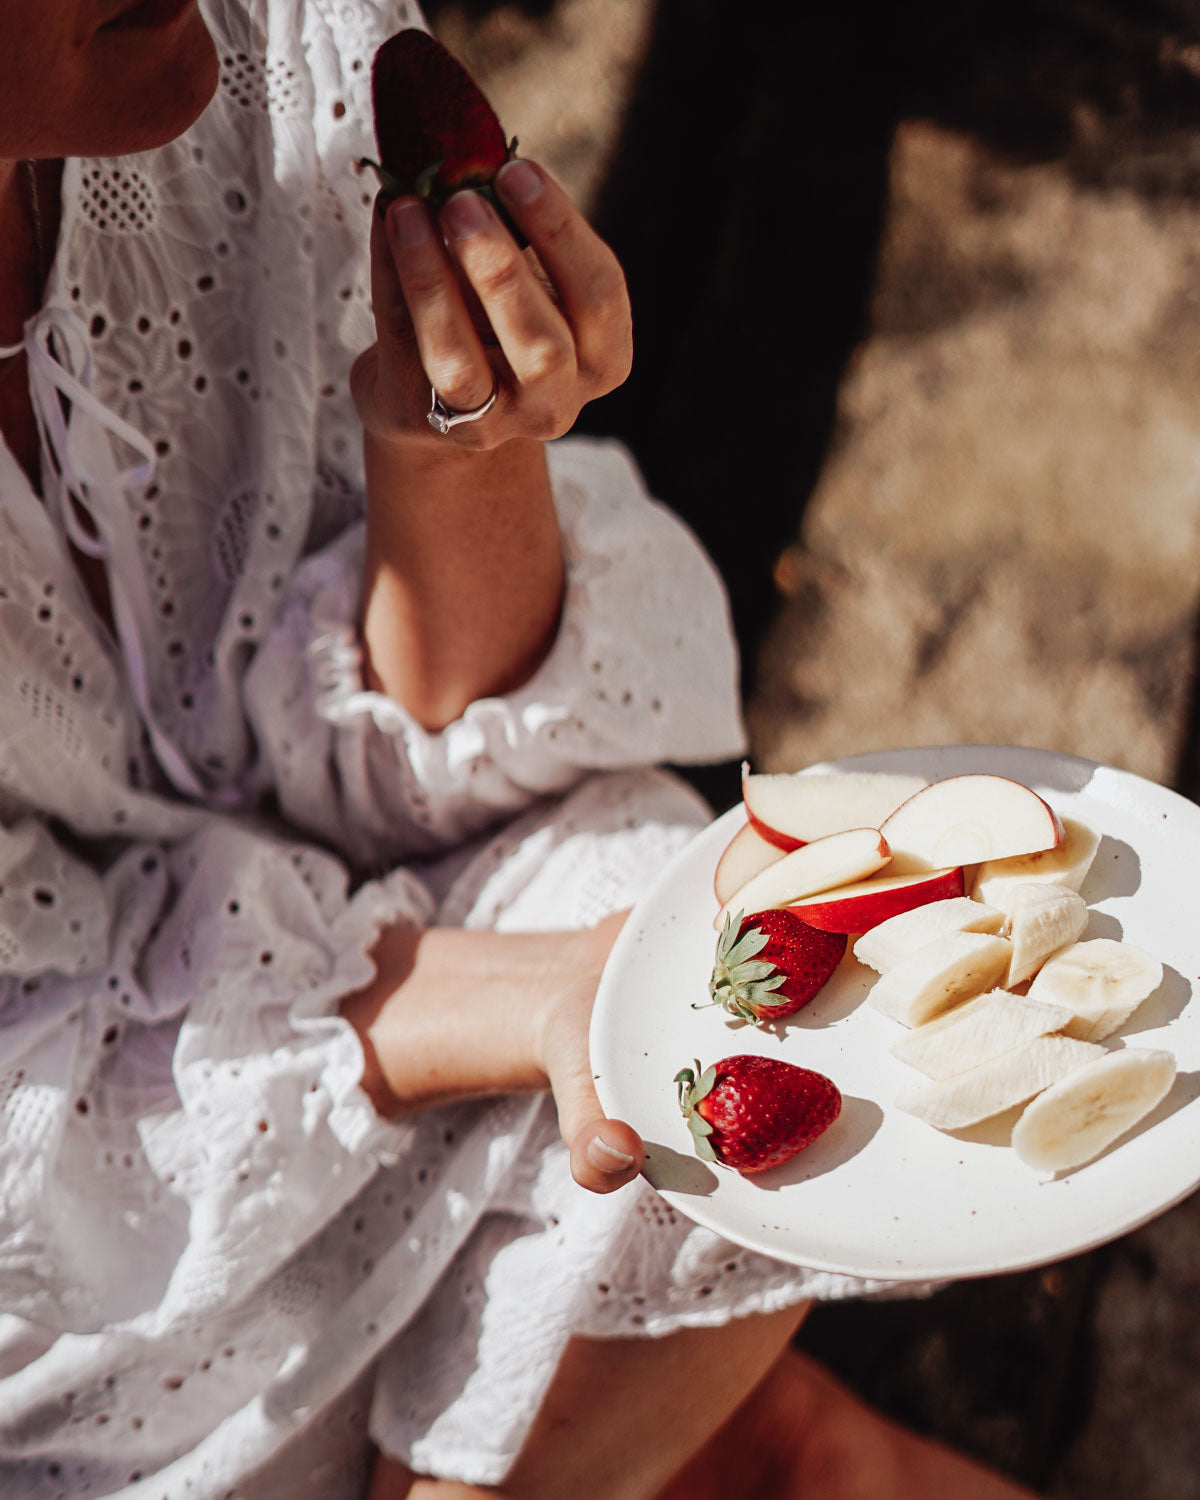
{"x": 918, "y": 353}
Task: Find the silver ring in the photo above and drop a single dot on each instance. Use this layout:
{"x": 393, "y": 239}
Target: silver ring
{"x": 442, "y": 417}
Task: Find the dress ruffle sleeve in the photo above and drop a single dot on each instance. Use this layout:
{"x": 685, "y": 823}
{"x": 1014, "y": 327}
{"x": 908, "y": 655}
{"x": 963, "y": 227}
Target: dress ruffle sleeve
{"x": 182, "y": 1110}
{"x": 643, "y": 669}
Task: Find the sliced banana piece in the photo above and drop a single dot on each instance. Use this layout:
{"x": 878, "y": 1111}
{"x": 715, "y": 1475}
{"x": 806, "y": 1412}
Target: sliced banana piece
{"x": 884, "y": 946}
{"x": 1075, "y": 1120}
{"x": 1042, "y": 919}
{"x": 939, "y": 974}
{"x": 976, "y": 1032}
{"x": 1067, "y": 865}
{"x": 1102, "y": 981}
{"x": 951, "y": 1103}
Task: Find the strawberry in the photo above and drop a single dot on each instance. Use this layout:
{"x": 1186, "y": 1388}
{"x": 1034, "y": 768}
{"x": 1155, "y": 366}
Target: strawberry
{"x": 435, "y": 130}
{"x": 771, "y": 963}
{"x": 755, "y": 1112}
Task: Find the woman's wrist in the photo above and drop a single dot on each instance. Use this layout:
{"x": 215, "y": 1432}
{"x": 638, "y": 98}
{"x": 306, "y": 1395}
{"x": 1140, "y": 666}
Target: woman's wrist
{"x": 464, "y": 574}
{"x": 456, "y": 1015}
{"x": 453, "y": 1014}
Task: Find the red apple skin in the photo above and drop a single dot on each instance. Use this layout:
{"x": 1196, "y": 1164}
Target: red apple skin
{"x": 745, "y": 855}
{"x": 783, "y": 841}
{"x": 861, "y": 913}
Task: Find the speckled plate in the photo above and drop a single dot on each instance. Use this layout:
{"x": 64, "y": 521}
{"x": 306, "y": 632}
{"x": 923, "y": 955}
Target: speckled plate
{"x": 881, "y": 1194}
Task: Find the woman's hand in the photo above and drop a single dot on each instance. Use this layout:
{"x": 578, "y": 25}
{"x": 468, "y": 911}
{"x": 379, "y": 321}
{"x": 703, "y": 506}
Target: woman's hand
{"x": 604, "y": 1153}
{"x": 460, "y": 308}
{"x": 455, "y": 1014}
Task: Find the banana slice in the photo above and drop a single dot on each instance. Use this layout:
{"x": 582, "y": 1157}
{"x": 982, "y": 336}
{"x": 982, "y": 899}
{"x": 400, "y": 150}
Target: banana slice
{"x": 984, "y": 1091}
{"x": 1075, "y": 1120}
{"x": 976, "y": 1032}
{"x": 939, "y": 974}
{"x": 884, "y": 946}
{"x": 1102, "y": 982}
{"x": 1067, "y": 865}
{"x": 1042, "y": 919}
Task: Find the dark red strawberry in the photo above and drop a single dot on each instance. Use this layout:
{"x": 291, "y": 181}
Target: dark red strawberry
{"x": 771, "y": 963}
{"x": 435, "y": 130}
{"x": 755, "y": 1112}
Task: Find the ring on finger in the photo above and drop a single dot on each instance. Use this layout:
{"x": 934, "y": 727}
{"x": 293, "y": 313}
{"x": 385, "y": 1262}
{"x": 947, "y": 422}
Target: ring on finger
{"x": 442, "y": 417}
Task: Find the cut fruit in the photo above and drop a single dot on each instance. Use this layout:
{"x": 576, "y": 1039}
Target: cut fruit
{"x": 969, "y": 819}
{"x": 790, "y": 809}
{"x": 976, "y": 1032}
{"x": 984, "y": 1091}
{"x": 941, "y": 974}
{"x": 886, "y": 944}
{"x": 1067, "y": 865}
{"x": 1091, "y": 1108}
{"x": 833, "y": 861}
{"x": 863, "y": 905}
{"x": 746, "y": 854}
{"x": 1102, "y": 982}
{"x": 1043, "y": 919}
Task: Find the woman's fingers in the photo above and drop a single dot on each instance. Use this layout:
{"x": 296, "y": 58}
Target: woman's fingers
{"x": 605, "y": 1155}
{"x": 534, "y": 336}
{"x": 460, "y": 308}
{"x": 451, "y": 352}
{"x": 586, "y": 275}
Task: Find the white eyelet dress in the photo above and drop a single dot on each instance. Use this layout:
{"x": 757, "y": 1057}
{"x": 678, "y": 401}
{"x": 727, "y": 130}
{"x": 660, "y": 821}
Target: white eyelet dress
{"x": 220, "y": 1270}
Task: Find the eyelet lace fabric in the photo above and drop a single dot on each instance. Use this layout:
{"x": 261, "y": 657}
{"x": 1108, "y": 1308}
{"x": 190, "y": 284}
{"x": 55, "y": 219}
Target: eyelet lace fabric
{"x": 220, "y": 1270}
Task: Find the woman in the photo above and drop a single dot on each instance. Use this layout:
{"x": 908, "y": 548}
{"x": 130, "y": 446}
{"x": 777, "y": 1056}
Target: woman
{"x": 259, "y": 1204}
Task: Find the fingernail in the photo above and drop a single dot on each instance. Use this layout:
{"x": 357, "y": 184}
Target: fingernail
{"x": 606, "y": 1158}
{"x": 408, "y": 224}
{"x": 520, "y": 181}
{"x": 465, "y": 215}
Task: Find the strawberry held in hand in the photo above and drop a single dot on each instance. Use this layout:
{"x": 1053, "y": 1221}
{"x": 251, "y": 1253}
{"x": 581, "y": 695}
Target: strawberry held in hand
{"x": 755, "y": 1112}
{"x": 436, "y": 132}
{"x": 771, "y": 963}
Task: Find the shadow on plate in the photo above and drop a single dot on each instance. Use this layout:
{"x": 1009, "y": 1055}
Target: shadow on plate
{"x": 1102, "y": 924}
{"x": 845, "y": 1138}
{"x": 1116, "y": 871}
{"x": 674, "y": 1171}
{"x": 1060, "y": 772}
{"x": 1167, "y": 1003}
{"x": 841, "y": 996}
{"x": 995, "y": 1131}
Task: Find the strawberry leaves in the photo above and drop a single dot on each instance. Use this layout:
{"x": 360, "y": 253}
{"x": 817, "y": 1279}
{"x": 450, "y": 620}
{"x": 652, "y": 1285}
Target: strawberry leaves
{"x": 691, "y": 1090}
{"x": 770, "y": 964}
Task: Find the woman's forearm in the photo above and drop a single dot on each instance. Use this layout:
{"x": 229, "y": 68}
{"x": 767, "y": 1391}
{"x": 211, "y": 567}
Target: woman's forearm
{"x": 453, "y": 1014}
{"x": 464, "y": 572}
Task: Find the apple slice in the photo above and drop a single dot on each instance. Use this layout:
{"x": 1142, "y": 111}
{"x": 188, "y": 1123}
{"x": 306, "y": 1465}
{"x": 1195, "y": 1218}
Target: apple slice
{"x": 790, "y": 808}
{"x": 836, "y": 860}
{"x": 965, "y": 820}
{"x": 745, "y": 855}
{"x": 859, "y": 907}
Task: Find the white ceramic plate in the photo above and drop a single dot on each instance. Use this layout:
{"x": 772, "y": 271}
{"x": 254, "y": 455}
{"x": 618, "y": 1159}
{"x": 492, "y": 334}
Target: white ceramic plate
{"x": 882, "y": 1194}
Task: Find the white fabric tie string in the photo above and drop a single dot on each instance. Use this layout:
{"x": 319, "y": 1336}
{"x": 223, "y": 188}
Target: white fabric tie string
{"x": 80, "y": 438}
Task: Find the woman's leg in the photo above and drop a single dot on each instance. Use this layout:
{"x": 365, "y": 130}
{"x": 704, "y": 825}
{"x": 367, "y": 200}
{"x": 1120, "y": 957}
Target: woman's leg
{"x": 622, "y": 1416}
{"x": 802, "y": 1434}
{"x": 798, "y": 1434}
